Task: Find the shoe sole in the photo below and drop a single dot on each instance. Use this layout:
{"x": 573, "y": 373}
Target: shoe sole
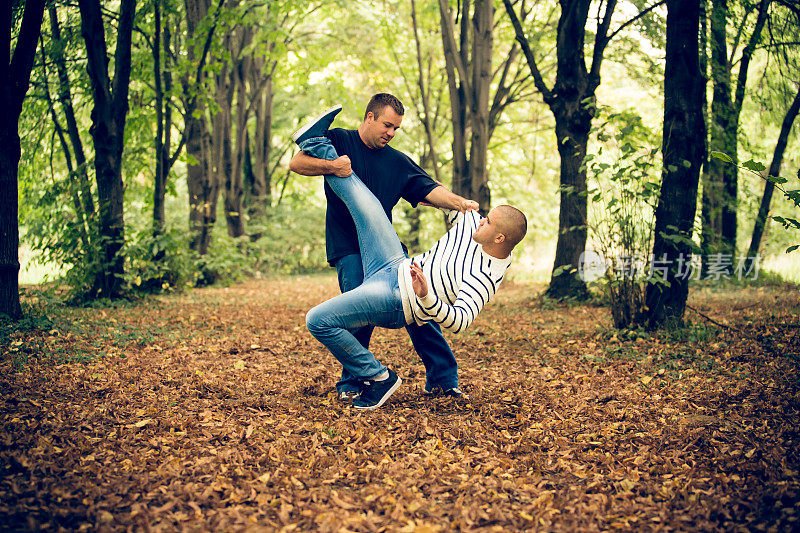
{"x": 296, "y": 135}
{"x": 385, "y": 397}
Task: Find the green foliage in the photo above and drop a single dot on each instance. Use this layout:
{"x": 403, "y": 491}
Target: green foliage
{"x": 793, "y": 195}
{"x": 160, "y": 262}
{"x": 623, "y": 190}
{"x": 291, "y": 241}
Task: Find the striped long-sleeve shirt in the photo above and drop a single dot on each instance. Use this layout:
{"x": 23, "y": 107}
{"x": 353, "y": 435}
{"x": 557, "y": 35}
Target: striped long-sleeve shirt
{"x": 462, "y": 278}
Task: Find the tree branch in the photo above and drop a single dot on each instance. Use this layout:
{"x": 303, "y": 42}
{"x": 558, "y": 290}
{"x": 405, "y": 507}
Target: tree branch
{"x": 547, "y": 94}
{"x": 637, "y": 17}
{"x": 24, "y": 53}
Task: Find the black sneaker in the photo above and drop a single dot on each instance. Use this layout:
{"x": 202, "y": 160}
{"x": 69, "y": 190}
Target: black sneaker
{"x": 317, "y": 126}
{"x": 453, "y": 392}
{"x": 376, "y": 393}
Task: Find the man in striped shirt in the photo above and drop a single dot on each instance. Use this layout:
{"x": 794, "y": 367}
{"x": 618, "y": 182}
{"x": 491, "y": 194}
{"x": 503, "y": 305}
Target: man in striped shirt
{"x": 449, "y": 284}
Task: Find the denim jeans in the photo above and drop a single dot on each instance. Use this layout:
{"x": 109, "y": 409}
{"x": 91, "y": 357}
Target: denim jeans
{"x": 377, "y": 300}
{"x": 441, "y": 368}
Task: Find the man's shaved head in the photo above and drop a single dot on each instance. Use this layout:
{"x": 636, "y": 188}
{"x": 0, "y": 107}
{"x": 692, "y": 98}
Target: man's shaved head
{"x": 512, "y": 223}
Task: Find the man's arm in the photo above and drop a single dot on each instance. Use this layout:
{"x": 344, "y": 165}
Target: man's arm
{"x": 443, "y": 197}
{"x": 457, "y": 317}
{"x": 305, "y": 165}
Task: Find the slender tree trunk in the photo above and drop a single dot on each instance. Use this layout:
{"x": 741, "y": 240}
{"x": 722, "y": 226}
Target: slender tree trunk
{"x": 15, "y": 71}
{"x": 719, "y": 189}
{"x": 261, "y": 184}
{"x": 683, "y": 135}
{"x": 774, "y": 171}
{"x": 458, "y": 103}
{"x": 71, "y": 171}
{"x": 426, "y": 117}
{"x": 160, "y": 178}
{"x": 202, "y": 179}
{"x": 468, "y": 64}
{"x": 65, "y": 99}
{"x": 222, "y": 152}
{"x": 482, "y": 47}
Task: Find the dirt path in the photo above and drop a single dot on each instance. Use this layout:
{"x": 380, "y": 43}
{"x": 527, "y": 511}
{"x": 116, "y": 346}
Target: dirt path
{"x": 215, "y": 410}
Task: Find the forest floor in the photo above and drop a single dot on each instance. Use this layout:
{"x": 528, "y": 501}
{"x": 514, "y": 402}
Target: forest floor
{"x": 215, "y": 410}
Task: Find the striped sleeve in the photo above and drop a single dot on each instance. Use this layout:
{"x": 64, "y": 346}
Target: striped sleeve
{"x": 474, "y": 293}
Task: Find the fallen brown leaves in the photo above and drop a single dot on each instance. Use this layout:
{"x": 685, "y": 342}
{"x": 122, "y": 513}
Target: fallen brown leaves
{"x": 215, "y": 410}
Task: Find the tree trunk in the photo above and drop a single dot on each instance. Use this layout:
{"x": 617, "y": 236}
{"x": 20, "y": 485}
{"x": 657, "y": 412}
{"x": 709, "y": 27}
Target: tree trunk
{"x": 719, "y": 189}
{"x": 774, "y": 171}
{"x": 458, "y": 103}
{"x": 65, "y": 99}
{"x": 14, "y": 81}
{"x": 202, "y": 184}
{"x": 108, "y": 127}
{"x": 571, "y": 101}
{"x": 426, "y": 117}
{"x": 468, "y": 64}
{"x": 221, "y": 154}
{"x": 261, "y": 186}
{"x": 202, "y": 180}
{"x": 71, "y": 171}
{"x": 573, "y": 122}
{"x": 482, "y": 47}
{"x": 9, "y": 229}
{"x": 572, "y": 130}
{"x": 683, "y": 135}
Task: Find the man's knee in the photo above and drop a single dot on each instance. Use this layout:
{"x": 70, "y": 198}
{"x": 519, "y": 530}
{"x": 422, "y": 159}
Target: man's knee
{"x": 315, "y": 321}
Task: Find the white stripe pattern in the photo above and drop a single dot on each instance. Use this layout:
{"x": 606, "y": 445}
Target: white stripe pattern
{"x": 462, "y": 278}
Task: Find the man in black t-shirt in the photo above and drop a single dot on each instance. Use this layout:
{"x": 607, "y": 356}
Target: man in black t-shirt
{"x": 390, "y": 175}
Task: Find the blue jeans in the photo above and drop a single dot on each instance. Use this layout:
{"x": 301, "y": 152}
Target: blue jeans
{"x": 441, "y": 368}
{"x": 377, "y": 301}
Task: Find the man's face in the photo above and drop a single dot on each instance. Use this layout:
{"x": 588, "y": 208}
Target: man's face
{"x": 487, "y": 230}
{"x": 378, "y": 131}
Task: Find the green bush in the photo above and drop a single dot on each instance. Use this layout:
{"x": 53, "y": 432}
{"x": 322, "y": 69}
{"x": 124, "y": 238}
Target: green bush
{"x": 623, "y": 190}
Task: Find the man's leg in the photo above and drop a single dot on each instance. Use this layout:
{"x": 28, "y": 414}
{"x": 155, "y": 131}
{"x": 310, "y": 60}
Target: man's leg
{"x": 377, "y": 240}
{"x": 441, "y": 369}
{"x": 351, "y": 276}
{"x": 374, "y": 302}
{"x": 332, "y": 321}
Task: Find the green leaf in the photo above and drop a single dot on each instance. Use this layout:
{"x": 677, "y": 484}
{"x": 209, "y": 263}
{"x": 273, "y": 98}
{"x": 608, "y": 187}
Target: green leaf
{"x": 722, "y": 156}
{"x": 792, "y": 248}
{"x": 755, "y": 166}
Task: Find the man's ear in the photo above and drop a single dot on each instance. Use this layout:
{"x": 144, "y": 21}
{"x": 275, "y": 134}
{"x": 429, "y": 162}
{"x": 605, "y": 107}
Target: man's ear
{"x": 499, "y": 238}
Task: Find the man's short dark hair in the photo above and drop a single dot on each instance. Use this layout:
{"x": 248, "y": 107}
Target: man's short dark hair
{"x": 378, "y": 102}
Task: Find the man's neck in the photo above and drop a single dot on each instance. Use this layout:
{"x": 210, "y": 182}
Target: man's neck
{"x": 361, "y": 136}
{"x": 496, "y": 251}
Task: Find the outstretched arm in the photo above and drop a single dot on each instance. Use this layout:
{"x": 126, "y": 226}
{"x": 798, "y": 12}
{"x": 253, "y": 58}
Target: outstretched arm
{"x": 442, "y": 197}
{"x": 305, "y": 165}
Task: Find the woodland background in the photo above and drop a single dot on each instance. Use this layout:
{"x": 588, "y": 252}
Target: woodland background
{"x": 193, "y": 104}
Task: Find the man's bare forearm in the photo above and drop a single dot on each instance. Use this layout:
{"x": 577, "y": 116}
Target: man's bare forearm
{"x": 443, "y": 197}
{"x": 305, "y": 165}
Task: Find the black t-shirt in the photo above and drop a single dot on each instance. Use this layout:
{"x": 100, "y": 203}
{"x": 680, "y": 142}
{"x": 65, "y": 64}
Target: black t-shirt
{"x": 388, "y": 173}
